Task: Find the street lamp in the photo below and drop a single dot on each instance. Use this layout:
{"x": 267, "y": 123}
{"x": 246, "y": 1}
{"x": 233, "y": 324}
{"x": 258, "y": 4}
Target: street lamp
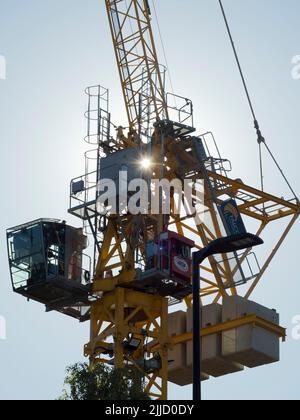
{"x": 220, "y": 246}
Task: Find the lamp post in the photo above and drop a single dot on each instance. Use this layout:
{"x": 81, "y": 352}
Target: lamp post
{"x": 220, "y": 246}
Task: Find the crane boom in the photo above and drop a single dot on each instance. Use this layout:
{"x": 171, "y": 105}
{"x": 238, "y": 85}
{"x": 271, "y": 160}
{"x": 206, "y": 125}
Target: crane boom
{"x": 142, "y": 78}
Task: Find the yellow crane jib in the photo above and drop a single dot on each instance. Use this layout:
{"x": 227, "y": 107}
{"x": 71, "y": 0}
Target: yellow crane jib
{"x": 142, "y": 77}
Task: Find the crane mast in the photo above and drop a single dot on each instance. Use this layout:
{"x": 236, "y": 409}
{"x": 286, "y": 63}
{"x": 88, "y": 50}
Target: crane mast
{"x": 142, "y": 77}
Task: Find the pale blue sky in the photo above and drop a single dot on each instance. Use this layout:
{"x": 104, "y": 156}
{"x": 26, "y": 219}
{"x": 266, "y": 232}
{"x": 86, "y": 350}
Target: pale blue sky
{"x": 54, "y": 49}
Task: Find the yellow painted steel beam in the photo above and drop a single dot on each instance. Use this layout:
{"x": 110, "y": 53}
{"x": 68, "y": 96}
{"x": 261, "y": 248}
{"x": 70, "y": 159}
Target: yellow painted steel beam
{"x": 235, "y": 186}
{"x": 227, "y": 326}
{"x": 138, "y": 65}
{"x": 125, "y": 312}
{"x": 231, "y": 325}
{"x": 274, "y": 252}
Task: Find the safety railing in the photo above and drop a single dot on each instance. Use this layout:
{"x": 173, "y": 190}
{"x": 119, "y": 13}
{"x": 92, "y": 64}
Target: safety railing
{"x": 180, "y": 109}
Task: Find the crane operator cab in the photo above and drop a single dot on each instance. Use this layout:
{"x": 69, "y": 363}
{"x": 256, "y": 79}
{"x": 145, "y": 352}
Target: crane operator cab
{"x": 47, "y": 264}
{"x": 168, "y": 270}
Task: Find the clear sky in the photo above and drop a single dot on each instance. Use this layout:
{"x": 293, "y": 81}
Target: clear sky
{"x": 55, "y": 48}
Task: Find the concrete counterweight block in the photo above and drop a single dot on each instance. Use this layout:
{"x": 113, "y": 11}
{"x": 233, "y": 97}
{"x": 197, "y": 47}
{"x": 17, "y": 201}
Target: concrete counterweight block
{"x": 213, "y": 362}
{"x": 179, "y": 373}
{"x": 250, "y": 345}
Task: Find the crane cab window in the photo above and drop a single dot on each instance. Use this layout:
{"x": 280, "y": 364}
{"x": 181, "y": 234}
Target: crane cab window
{"x": 26, "y": 256}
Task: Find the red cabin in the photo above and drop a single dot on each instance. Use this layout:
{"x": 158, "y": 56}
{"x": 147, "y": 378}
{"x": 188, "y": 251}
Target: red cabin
{"x": 168, "y": 270}
{"x": 175, "y": 255}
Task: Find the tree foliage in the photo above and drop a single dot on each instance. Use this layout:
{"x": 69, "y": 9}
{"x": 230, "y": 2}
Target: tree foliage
{"x": 102, "y": 383}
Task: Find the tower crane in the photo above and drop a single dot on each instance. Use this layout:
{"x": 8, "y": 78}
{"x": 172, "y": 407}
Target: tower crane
{"x": 141, "y": 265}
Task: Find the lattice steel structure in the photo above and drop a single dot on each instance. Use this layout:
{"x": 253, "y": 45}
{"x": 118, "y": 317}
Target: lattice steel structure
{"x": 142, "y": 77}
